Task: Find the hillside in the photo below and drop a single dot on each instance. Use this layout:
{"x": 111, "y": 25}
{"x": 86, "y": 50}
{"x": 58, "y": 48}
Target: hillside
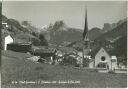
{"x": 14, "y": 27}
{"x": 94, "y": 33}
{"x": 109, "y": 26}
{"x": 16, "y": 67}
{"x": 112, "y": 35}
{"x": 120, "y": 47}
{"x": 20, "y": 32}
{"x": 116, "y": 39}
{"x": 60, "y": 33}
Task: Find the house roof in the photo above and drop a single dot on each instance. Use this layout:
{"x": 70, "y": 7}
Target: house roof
{"x": 25, "y": 43}
{"x": 43, "y": 50}
{"x": 6, "y": 34}
{"x": 16, "y": 40}
{"x": 95, "y": 51}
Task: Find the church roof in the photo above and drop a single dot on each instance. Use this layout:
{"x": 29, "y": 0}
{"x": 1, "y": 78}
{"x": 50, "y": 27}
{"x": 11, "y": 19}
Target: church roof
{"x": 96, "y": 50}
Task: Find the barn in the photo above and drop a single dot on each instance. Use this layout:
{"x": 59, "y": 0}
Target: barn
{"x": 20, "y": 47}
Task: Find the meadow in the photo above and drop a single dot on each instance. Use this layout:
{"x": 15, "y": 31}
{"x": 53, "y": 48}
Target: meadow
{"x": 18, "y": 72}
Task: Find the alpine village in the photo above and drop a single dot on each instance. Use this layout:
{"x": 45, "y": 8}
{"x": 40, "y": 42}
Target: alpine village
{"x": 56, "y": 52}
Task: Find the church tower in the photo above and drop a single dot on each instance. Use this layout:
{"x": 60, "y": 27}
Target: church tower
{"x": 86, "y": 42}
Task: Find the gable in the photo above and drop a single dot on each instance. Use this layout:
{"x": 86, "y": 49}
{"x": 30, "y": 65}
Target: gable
{"x": 102, "y": 51}
{"x": 8, "y": 39}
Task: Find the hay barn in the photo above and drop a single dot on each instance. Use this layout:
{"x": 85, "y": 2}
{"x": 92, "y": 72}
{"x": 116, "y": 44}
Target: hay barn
{"x": 20, "y": 47}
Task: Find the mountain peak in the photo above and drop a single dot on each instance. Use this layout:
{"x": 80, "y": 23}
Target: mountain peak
{"x": 60, "y": 25}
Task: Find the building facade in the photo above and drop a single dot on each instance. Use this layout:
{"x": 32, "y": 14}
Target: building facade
{"x": 8, "y": 40}
{"x": 102, "y": 59}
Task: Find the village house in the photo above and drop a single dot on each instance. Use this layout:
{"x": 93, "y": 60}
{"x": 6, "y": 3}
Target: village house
{"x": 8, "y": 40}
{"x": 5, "y": 25}
{"x": 103, "y": 59}
{"x": 121, "y": 63}
{"x": 11, "y": 43}
{"x": 48, "y": 54}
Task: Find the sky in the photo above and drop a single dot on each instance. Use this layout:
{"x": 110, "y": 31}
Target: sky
{"x": 41, "y": 13}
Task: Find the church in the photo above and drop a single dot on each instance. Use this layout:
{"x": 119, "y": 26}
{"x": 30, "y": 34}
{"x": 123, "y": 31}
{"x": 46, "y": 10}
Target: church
{"x": 103, "y": 59}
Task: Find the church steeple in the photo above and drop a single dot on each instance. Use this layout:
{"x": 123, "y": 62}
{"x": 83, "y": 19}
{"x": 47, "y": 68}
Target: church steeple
{"x": 85, "y": 33}
{"x": 85, "y": 26}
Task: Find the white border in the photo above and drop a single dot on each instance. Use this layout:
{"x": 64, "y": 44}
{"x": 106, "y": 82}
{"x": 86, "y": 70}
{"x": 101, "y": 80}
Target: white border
{"x": 64, "y": 0}
{"x": 76, "y": 0}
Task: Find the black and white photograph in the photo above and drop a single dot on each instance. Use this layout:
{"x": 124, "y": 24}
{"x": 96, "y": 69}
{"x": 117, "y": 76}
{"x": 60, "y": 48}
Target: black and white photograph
{"x": 64, "y": 44}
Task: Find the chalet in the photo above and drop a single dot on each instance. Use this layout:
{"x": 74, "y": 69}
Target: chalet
{"x": 103, "y": 59}
{"x": 8, "y": 40}
{"x": 47, "y": 53}
{"x": 11, "y": 43}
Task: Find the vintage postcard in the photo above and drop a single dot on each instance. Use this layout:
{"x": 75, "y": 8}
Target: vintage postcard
{"x": 64, "y": 44}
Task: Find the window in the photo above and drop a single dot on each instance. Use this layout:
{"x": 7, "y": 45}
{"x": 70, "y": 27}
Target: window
{"x": 103, "y": 58}
{"x": 102, "y": 65}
